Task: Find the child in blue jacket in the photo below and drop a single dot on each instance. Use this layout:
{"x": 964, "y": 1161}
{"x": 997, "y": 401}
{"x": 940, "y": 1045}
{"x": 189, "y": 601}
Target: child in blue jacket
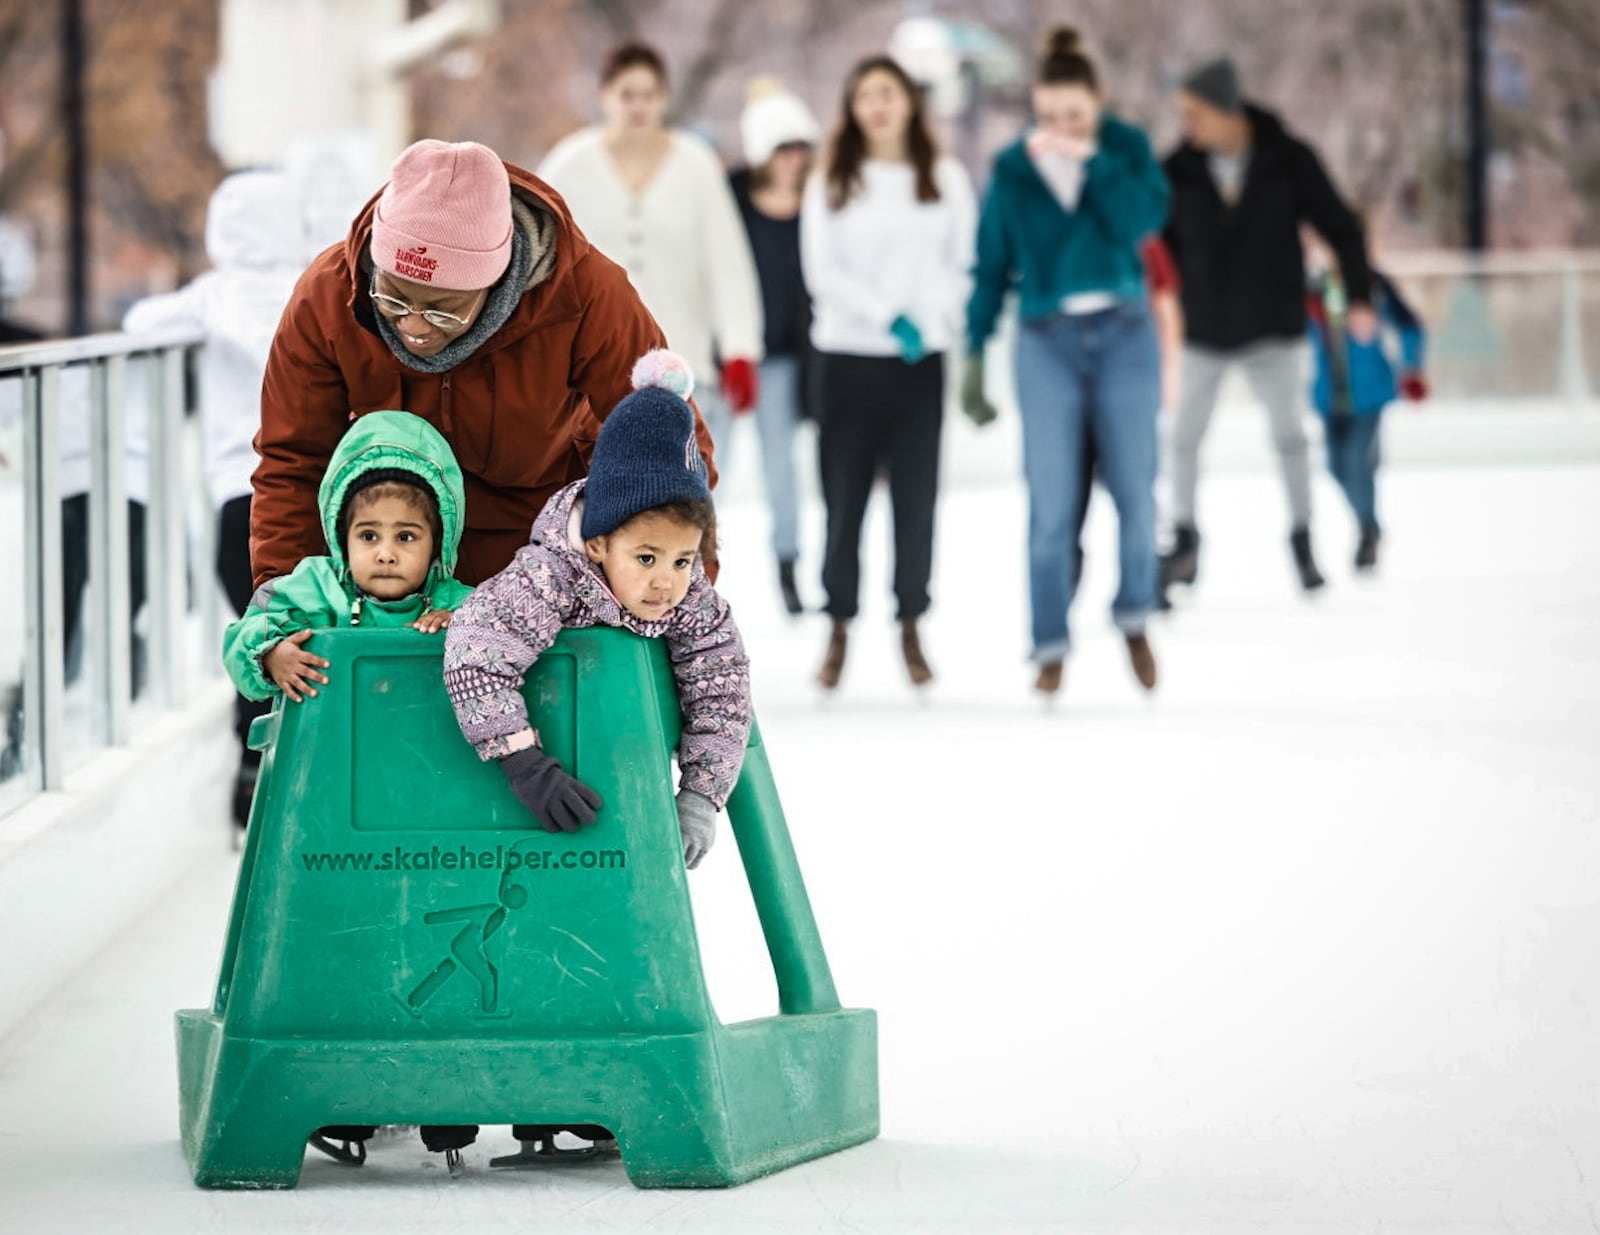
{"x": 1353, "y": 383}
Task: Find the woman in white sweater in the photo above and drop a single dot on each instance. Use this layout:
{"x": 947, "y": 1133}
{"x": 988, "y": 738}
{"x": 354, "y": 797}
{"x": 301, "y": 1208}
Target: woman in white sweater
{"x": 657, "y": 202}
{"x": 886, "y": 238}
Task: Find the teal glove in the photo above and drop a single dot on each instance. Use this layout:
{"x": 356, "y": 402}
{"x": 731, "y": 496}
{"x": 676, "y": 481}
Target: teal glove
{"x": 909, "y": 337}
{"x": 974, "y": 402}
{"x": 697, "y": 825}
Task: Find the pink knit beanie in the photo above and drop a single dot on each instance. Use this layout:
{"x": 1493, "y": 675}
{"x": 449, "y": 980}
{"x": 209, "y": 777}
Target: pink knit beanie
{"x": 445, "y": 216}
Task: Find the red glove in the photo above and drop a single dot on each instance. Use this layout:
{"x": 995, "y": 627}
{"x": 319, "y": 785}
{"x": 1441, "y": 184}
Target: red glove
{"x": 739, "y": 384}
{"x": 1413, "y": 386}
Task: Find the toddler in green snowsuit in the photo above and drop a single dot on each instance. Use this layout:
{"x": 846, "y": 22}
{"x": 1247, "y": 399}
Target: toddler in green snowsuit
{"x": 392, "y": 502}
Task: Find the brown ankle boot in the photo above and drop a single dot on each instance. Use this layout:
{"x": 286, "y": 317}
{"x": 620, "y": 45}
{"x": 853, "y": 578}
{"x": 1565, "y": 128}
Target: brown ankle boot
{"x": 1049, "y": 680}
{"x": 911, "y": 649}
{"x": 833, "y": 658}
{"x": 1143, "y": 661}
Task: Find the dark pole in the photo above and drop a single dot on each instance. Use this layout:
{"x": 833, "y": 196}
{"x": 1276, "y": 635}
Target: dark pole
{"x": 1477, "y": 126}
{"x": 74, "y": 118}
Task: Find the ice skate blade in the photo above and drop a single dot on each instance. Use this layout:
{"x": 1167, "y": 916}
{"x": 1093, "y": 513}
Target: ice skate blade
{"x": 545, "y": 1152}
{"x": 452, "y": 1162}
{"x": 351, "y": 1153}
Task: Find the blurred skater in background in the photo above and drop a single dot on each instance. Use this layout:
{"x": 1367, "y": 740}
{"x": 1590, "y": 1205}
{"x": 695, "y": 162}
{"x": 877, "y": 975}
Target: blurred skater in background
{"x": 780, "y": 135}
{"x": 256, "y": 240}
{"x": 1354, "y": 380}
{"x": 656, "y": 201}
{"x": 1069, "y": 207}
{"x": 886, "y": 241}
{"x": 1241, "y": 188}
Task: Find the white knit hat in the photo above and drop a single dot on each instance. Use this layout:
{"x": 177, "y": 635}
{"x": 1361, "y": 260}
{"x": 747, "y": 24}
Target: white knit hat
{"x": 772, "y": 117}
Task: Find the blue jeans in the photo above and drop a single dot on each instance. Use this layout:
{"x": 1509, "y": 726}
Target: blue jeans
{"x": 1097, "y": 374}
{"x": 1353, "y": 459}
{"x": 777, "y": 414}
{"x": 718, "y": 417}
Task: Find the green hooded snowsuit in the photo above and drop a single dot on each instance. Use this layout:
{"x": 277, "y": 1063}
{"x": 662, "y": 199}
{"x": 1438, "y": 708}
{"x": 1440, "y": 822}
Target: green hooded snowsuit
{"x": 320, "y": 591}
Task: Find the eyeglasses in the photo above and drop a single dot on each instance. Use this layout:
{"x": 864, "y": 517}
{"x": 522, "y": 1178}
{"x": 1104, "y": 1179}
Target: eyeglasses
{"x": 394, "y": 307}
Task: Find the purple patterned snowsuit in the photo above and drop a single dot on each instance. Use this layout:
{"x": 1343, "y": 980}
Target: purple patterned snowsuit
{"x": 513, "y": 617}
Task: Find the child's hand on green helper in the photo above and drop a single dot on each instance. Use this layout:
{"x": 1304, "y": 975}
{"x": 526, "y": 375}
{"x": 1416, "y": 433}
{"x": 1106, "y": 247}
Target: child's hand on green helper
{"x": 560, "y": 802}
{"x": 292, "y": 668}
{"x": 697, "y": 825}
{"x": 433, "y": 621}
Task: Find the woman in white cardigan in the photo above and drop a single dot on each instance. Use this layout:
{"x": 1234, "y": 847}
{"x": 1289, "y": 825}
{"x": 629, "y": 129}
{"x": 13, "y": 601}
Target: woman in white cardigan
{"x": 886, "y": 239}
{"x": 657, "y": 202}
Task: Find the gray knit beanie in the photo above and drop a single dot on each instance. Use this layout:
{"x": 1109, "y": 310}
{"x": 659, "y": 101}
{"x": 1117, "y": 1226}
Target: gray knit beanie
{"x": 1216, "y": 82}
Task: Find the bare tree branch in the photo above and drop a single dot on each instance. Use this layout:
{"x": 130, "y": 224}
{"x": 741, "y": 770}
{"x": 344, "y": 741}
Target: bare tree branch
{"x": 722, "y": 33}
{"x": 622, "y": 18}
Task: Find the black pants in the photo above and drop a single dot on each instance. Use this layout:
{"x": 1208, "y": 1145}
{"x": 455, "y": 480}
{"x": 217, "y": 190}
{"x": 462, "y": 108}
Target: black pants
{"x": 1089, "y": 457}
{"x": 75, "y": 579}
{"x": 233, "y": 569}
{"x": 879, "y": 414}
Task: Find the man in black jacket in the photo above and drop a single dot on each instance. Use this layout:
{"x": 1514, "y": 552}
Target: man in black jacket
{"x": 1241, "y": 188}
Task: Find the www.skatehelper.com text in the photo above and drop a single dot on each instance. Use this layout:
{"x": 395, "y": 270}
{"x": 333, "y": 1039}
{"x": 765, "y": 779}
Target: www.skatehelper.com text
{"x": 463, "y": 858}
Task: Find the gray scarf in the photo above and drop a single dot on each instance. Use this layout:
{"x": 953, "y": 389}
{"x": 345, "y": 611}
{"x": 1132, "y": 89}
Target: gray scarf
{"x": 533, "y": 257}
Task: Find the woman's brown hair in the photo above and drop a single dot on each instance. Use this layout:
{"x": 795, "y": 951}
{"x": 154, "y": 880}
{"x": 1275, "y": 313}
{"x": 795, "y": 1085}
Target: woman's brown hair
{"x": 848, "y": 148}
{"x": 633, "y": 56}
{"x": 1062, "y": 61}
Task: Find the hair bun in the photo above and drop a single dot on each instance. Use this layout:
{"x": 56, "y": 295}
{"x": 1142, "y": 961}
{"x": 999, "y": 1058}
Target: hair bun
{"x": 665, "y": 369}
{"x": 1061, "y": 41}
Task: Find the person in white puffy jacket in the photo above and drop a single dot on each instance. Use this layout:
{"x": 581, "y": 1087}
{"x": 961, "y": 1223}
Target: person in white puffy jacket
{"x": 256, "y": 240}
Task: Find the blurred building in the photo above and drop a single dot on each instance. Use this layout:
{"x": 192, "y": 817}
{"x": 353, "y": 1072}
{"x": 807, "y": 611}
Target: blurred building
{"x": 178, "y": 92}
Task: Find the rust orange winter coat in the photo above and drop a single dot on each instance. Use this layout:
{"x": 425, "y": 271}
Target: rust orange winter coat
{"x": 520, "y": 413}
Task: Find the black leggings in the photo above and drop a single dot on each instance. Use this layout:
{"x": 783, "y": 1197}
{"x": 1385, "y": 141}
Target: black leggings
{"x": 1088, "y": 459}
{"x": 75, "y": 579}
{"x": 233, "y": 569}
{"x": 880, "y": 415}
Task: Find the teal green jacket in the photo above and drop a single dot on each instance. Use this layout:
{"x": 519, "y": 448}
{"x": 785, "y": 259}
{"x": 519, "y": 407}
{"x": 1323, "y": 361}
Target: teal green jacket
{"x": 320, "y": 592}
{"x": 1028, "y": 240}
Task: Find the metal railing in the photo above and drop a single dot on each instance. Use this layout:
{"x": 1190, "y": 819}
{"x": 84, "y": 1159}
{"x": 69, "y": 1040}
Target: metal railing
{"x": 61, "y": 384}
{"x": 1514, "y": 325}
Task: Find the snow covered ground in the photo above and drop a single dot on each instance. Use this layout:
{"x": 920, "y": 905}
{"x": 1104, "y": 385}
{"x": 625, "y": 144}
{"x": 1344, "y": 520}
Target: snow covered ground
{"x": 1306, "y": 942}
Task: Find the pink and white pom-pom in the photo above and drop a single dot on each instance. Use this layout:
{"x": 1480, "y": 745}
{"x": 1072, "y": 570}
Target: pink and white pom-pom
{"x": 665, "y": 369}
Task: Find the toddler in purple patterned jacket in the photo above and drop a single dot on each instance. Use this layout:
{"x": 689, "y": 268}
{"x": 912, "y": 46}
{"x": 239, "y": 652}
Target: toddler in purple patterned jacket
{"x": 620, "y": 548}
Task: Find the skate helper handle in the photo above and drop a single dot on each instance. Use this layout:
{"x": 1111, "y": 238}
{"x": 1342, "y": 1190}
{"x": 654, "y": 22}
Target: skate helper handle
{"x": 805, "y": 982}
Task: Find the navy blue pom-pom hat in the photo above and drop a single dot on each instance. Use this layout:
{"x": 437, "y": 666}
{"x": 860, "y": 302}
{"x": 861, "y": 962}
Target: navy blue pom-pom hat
{"x": 647, "y": 454}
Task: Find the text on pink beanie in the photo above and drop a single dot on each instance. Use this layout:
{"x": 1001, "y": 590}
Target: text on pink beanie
{"x": 445, "y": 216}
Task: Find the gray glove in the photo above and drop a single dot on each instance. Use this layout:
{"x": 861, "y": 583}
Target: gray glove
{"x": 973, "y": 400}
{"x": 697, "y": 824}
{"x": 560, "y": 802}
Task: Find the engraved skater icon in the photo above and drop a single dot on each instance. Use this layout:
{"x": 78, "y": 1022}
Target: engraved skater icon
{"x": 469, "y": 948}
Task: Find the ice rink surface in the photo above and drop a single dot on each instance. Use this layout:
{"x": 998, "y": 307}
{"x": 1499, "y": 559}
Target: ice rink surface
{"x": 1305, "y": 943}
